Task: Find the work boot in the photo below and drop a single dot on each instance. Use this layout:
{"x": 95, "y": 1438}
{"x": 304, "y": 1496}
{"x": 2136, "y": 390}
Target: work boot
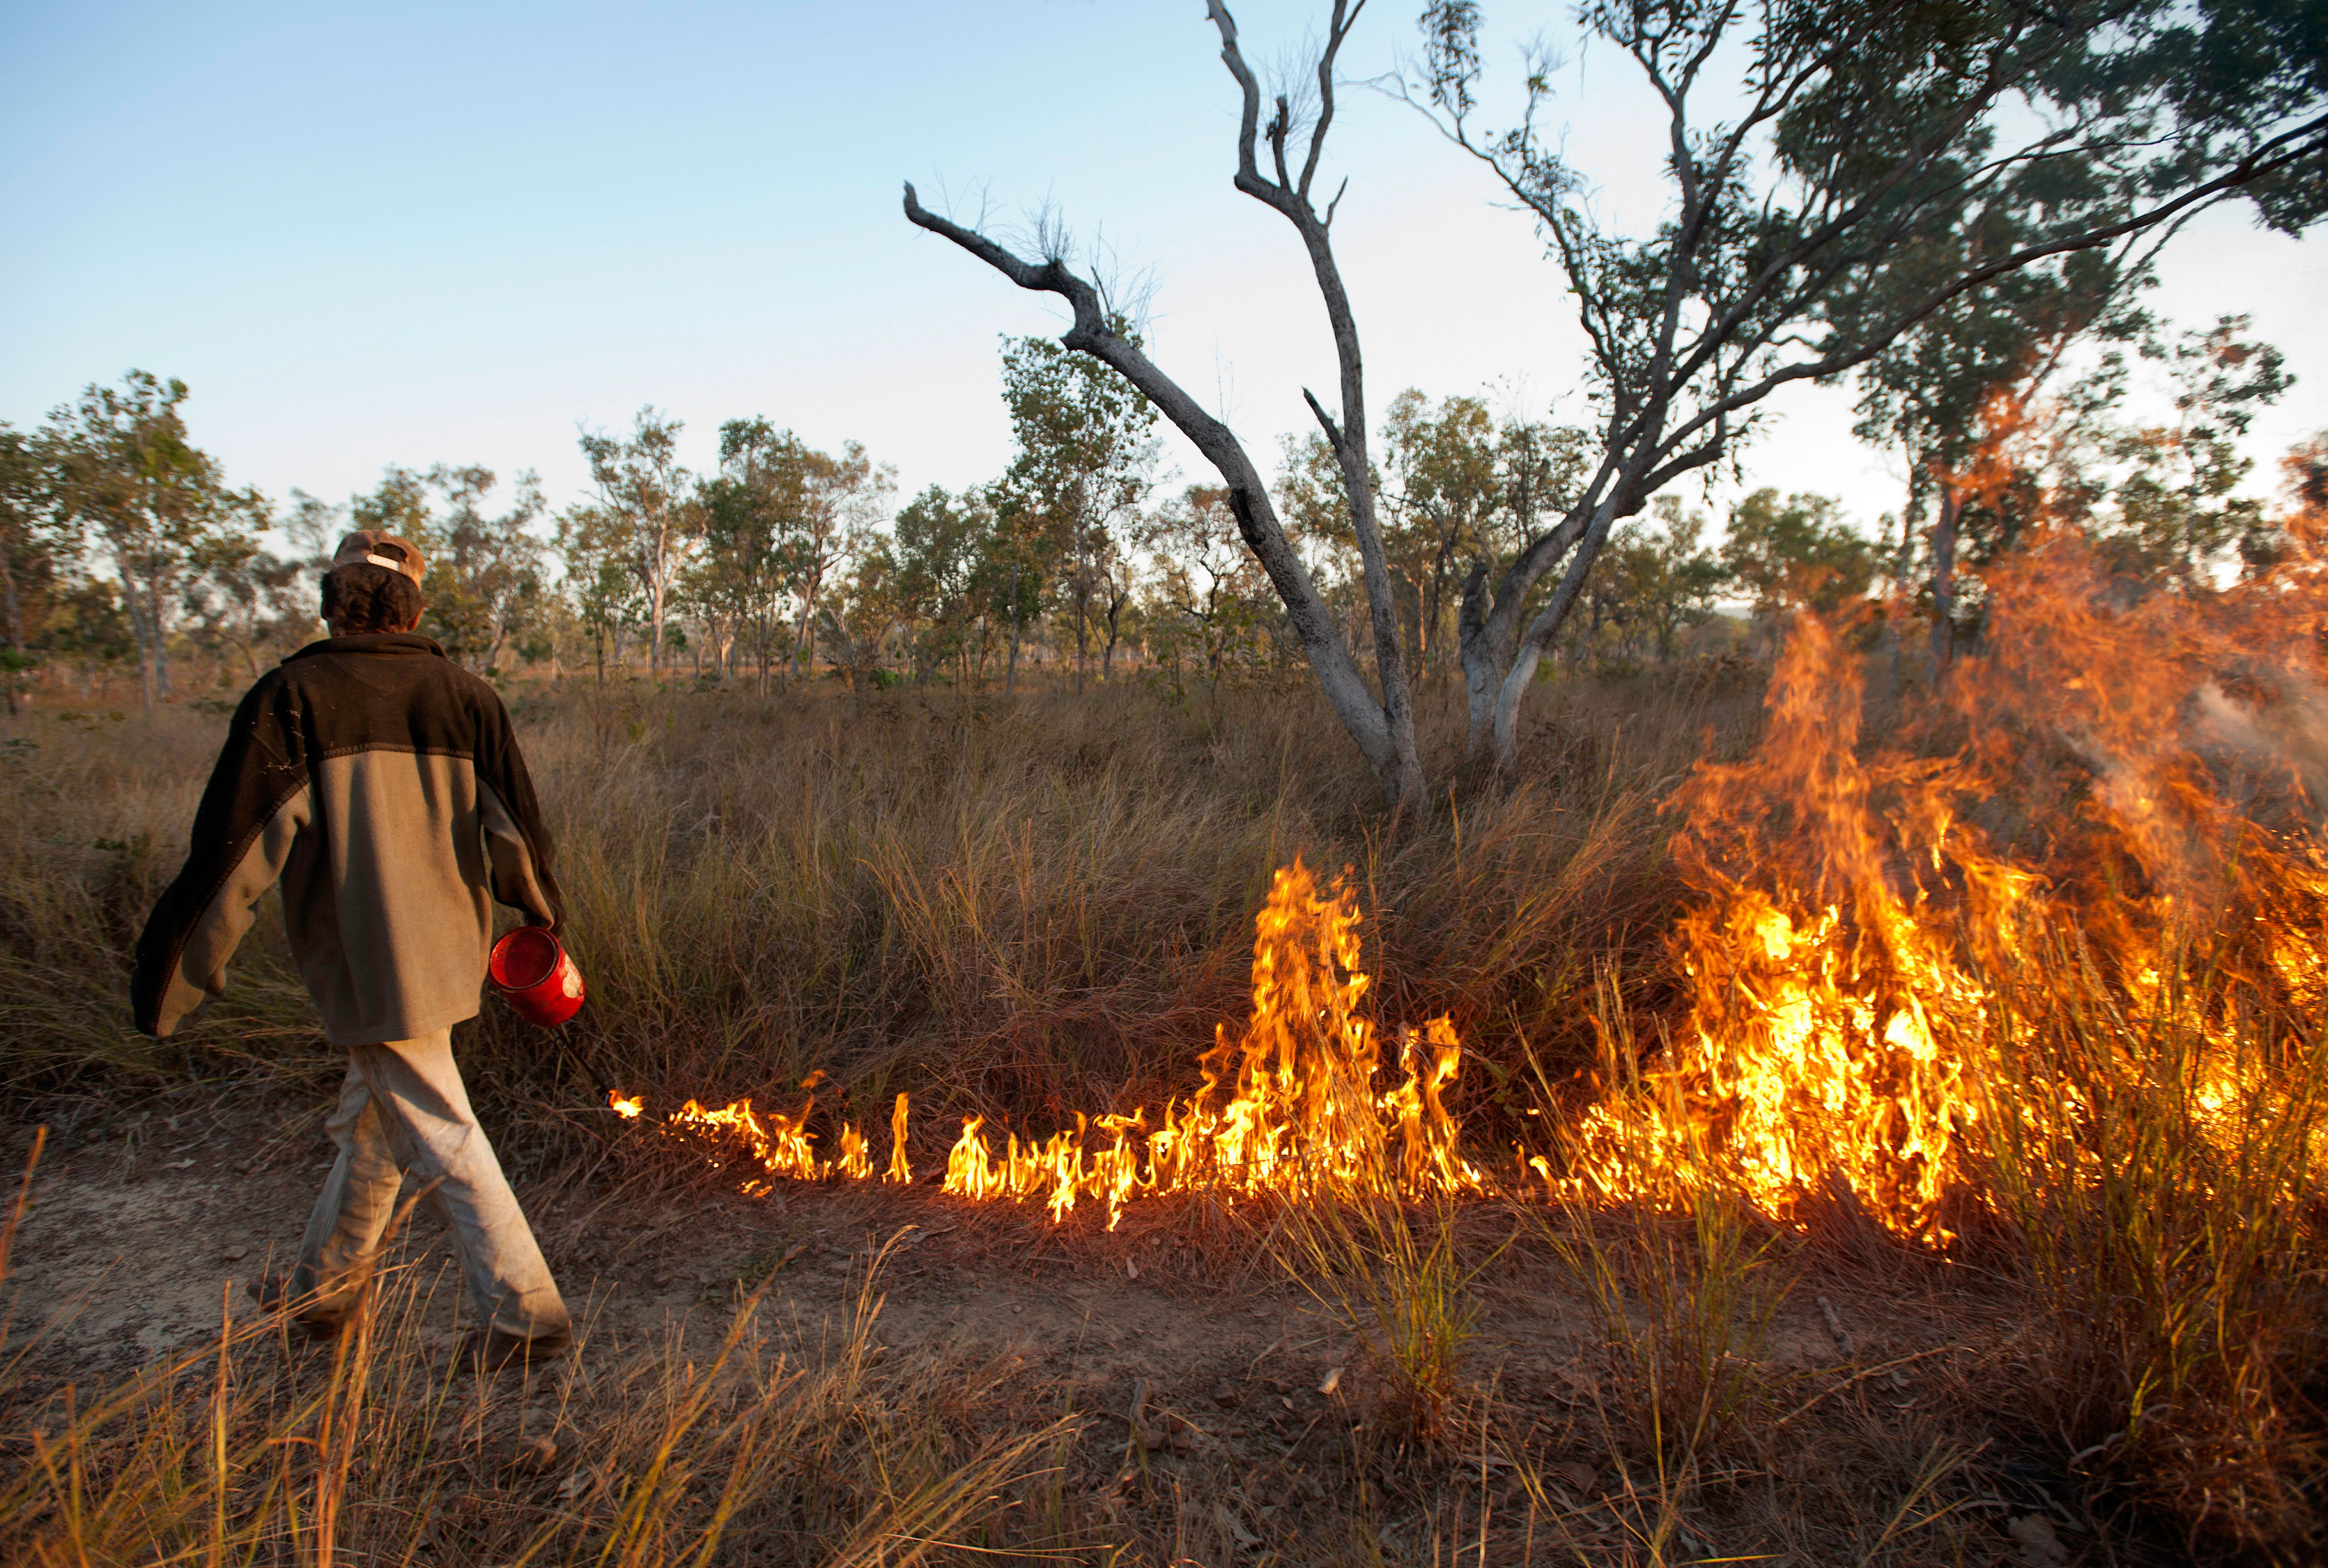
{"x": 272, "y": 1293}
{"x": 494, "y": 1351}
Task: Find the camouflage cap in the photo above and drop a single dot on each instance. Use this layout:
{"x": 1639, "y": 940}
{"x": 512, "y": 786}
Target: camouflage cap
{"x": 366, "y": 547}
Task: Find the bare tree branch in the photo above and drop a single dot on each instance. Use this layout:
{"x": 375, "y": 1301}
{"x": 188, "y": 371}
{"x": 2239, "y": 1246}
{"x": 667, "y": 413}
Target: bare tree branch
{"x": 1329, "y": 655}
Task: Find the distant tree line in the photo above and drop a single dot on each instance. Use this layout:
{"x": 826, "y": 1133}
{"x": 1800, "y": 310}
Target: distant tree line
{"x": 128, "y": 555}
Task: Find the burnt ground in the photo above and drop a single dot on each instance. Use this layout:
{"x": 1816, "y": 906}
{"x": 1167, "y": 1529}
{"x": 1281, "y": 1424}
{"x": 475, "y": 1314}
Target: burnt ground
{"x": 1228, "y": 1413}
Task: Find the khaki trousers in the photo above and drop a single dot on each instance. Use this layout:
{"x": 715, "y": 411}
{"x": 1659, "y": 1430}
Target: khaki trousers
{"x": 403, "y": 1108}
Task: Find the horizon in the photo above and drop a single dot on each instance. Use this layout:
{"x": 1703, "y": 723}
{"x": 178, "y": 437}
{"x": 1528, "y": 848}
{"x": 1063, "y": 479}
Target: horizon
{"x": 520, "y": 224}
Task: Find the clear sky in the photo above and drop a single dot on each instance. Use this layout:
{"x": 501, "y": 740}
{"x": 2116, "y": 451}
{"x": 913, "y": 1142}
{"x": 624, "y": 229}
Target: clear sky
{"x": 417, "y": 233}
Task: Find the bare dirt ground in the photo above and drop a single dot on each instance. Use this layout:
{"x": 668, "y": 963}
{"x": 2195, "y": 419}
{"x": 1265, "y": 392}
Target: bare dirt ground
{"x": 1223, "y": 1409}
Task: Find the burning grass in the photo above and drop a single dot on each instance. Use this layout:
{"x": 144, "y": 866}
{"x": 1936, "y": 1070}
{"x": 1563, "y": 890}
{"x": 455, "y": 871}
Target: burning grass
{"x": 2036, "y": 976}
{"x": 2008, "y": 988}
{"x": 1290, "y": 1108}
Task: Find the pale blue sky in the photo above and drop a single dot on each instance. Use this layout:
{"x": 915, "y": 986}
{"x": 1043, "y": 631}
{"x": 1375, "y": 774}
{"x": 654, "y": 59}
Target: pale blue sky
{"x": 423, "y": 233}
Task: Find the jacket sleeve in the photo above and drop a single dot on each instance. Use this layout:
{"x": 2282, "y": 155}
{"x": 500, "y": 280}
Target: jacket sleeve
{"x": 252, "y": 814}
{"x": 517, "y": 845}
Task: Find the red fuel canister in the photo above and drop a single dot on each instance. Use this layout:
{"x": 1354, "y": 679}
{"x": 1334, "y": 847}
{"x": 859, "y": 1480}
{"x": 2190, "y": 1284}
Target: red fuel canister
{"x": 534, "y": 972}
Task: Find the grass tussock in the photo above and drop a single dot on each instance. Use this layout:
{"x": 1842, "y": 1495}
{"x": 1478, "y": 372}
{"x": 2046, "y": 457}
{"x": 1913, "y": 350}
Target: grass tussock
{"x": 1398, "y": 1279}
{"x": 1030, "y": 909}
{"x": 2174, "y": 1236}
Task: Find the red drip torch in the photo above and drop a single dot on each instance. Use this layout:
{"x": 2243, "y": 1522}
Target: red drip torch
{"x": 538, "y": 978}
{"x": 534, "y": 972}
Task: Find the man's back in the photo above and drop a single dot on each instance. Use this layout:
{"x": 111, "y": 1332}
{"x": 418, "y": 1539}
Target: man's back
{"x": 382, "y": 784}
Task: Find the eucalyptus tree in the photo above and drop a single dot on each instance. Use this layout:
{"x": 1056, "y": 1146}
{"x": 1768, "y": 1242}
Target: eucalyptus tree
{"x": 88, "y": 622}
{"x": 1661, "y": 576}
{"x": 747, "y": 564}
{"x": 33, "y": 545}
{"x": 1935, "y": 389}
{"x": 126, "y": 469}
{"x": 1381, "y": 721}
{"x": 485, "y": 572}
{"x": 830, "y": 499}
{"x": 2162, "y": 496}
{"x": 863, "y": 608}
{"x": 399, "y": 504}
{"x": 1797, "y": 553}
{"x": 642, "y": 499}
{"x": 1085, "y": 460}
{"x": 1831, "y": 197}
{"x": 1014, "y": 567}
{"x": 245, "y": 598}
{"x": 941, "y": 542}
{"x": 1447, "y": 486}
{"x": 594, "y": 544}
{"x": 1208, "y": 585}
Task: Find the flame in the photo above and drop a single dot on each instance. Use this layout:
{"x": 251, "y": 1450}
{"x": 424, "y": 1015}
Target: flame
{"x": 1827, "y": 1038}
{"x": 898, "y": 1171}
{"x": 1290, "y": 1106}
{"x": 2122, "y": 777}
{"x": 628, "y": 1108}
{"x": 1855, "y": 930}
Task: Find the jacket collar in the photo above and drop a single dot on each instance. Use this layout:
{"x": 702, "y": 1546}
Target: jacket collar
{"x": 408, "y": 645}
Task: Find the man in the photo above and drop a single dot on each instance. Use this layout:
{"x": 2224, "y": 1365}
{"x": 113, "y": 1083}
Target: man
{"x": 382, "y": 784}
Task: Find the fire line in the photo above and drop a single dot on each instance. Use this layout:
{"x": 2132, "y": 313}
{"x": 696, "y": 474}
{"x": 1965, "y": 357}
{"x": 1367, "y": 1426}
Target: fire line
{"x": 2088, "y": 786}
{"x": 1290, "y": 1107}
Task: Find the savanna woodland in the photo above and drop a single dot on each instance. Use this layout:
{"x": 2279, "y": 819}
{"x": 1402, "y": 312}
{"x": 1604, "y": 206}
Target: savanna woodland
{"x": 1468, "y": 988}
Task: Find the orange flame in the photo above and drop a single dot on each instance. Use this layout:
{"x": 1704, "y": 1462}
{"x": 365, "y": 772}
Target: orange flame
{"x": 898, "y": 1171}
{"x": 1291, "y": 1107}
{"x": 2111, "y": 773}
{"x": 2130, "y": 769}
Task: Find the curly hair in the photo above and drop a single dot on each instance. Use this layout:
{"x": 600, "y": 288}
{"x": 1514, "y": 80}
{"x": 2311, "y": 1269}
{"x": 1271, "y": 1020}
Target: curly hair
{"x": 362, "y": 598}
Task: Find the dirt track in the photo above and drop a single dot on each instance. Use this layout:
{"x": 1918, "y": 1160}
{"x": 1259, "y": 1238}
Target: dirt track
{"x": 1249, "y": 1398}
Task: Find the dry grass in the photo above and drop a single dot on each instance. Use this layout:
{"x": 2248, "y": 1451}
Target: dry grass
{"x": 1038, "y": 908}
{"x": 778, "y": 1447}
{"x": 2177, "y": 1244}
{"x": 1029, "y": 909}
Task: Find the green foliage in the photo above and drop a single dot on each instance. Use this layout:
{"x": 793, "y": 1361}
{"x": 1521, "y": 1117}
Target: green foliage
{"x": 1657, "y": 579}
{"x": 1460, "y": 493}
{"x": 2175, "y": 492}
{"x": 246, "y": 600}
{"x": 2164, "y": 498}
{"x": 1842, "y": 178}
{"x": 777, "y": 521}
{"x": 1447, "y": 486}
{"x": 1796, "y": 554}
{"x": 598, "y": 579}
{"x": 643, "y": 524}
{"x": 1211, "y": 603}
{"x": 485, "y": 584}
{"x": 30, "y": 551}
{"x": 398, "y": 505}
{"x": 1086, "y": 461}
{"x": 945, "y": 546}
{"x": 126, "y": 469}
